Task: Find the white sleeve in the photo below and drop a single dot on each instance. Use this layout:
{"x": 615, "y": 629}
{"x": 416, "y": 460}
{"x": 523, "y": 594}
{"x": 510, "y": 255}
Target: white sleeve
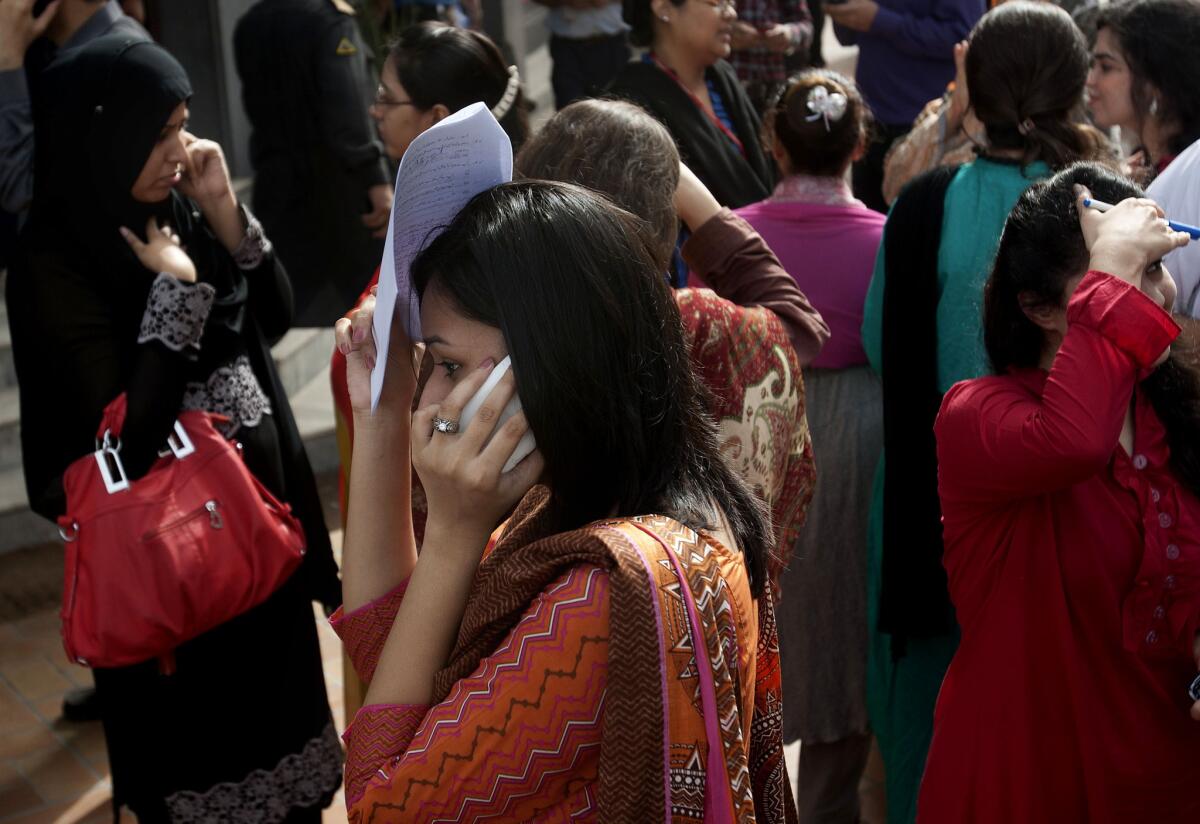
{"x": 1177, "y": 190}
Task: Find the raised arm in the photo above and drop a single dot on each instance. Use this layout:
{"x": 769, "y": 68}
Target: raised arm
{"x": 379, "y": 551}
{"x": 997, "y": 441}
{"x": 736, "y": 262}
{"x": 18, "y": 29}
{"x": 530, "y": 713}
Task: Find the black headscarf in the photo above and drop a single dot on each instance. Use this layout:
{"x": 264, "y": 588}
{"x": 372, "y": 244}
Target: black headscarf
{"x": 105, "y": 106}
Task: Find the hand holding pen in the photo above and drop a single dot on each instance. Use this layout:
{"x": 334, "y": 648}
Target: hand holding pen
{"x": 1128, "y": 237}
{"x": 1101, "y": 206}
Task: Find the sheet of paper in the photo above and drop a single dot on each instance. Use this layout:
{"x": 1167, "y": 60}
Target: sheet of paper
{"x": 444, "y": 167}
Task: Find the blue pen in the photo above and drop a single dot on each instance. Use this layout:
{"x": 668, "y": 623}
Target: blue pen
{"x": 1101, "y": 206}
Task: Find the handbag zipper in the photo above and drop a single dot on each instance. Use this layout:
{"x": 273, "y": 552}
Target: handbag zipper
{"x": 210, "y": 509}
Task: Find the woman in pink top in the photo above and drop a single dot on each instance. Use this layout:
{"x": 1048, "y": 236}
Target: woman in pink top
{"x": 827, "y": 241}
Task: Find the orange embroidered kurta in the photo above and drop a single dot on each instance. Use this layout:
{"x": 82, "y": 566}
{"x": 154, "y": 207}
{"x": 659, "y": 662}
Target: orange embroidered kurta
{"x": 520, "y": 737}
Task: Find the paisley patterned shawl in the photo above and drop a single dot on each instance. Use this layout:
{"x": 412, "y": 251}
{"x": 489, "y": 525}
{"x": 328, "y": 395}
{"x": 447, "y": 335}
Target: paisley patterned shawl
{"x": 745, "y": 359}
{"x": 645, "y": 595}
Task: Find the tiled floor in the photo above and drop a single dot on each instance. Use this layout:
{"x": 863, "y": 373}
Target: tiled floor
{"x": 54, "y": 771}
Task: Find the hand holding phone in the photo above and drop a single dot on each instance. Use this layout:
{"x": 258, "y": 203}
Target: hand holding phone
{"x": 527, "y": 443}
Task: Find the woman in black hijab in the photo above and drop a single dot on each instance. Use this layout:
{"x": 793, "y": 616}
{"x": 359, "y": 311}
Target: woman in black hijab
{"x": 139, "y": 272}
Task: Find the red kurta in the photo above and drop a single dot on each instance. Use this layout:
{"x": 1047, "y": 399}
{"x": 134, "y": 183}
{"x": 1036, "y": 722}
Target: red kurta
{"x": 1075, "y": 571}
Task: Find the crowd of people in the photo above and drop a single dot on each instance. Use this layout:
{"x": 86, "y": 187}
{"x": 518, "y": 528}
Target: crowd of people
{"x": 746, "y": 523}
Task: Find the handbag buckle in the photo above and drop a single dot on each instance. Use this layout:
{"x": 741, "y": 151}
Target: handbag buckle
{"x": 108, "y": 458}
{"x": 179, "y": 442}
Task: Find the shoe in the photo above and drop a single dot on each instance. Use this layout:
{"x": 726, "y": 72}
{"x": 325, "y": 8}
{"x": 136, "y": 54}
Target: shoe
{"x": 81, "y": 704}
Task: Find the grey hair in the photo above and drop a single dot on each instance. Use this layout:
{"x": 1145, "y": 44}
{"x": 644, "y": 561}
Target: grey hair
{"x": 618, "y": 149}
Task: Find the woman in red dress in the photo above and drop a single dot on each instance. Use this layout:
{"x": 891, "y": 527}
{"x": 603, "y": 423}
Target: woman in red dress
{"x": 1069, "y": 486}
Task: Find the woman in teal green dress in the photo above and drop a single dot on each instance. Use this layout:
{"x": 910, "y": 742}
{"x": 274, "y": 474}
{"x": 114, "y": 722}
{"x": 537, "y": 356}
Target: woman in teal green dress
{"x": 1026, "y": 68}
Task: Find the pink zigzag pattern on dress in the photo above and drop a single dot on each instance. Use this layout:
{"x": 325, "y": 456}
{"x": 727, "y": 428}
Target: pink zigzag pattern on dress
{"x": 536, "y": 755}
{"x": 590, "y": 583}
{"x": 464, "y": 693}
{"x": 529, "y": 738}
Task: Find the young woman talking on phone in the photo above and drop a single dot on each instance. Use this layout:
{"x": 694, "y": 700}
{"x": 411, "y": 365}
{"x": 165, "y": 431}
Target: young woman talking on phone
{"x": 603, "y": 658}
{"x": 1069, "y": 484}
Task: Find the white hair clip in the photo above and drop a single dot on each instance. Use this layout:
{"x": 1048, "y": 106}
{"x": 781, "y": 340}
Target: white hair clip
{"x": 826, "y": 105}
{"x": 510, "y": 94}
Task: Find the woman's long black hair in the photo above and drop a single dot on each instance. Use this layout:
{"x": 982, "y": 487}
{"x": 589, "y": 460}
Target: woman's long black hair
{"x": 599, "y": 356}
{"x": 1041, "y": 249}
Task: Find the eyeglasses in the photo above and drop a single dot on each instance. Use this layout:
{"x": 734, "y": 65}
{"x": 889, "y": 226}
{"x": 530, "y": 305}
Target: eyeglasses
{"x": 382, "y": 100}
{"x": 722, "y": 5}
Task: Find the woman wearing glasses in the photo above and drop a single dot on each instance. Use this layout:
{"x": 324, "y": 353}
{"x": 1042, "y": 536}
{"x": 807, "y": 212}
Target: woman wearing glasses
{"x": 432, "y": 70}
{"x": 684, "y": 81}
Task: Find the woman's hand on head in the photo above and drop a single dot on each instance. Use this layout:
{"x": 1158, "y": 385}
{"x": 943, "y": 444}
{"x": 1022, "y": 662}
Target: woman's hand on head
{"x": 354, "y": 336}
{"x": 161, "y": 252}
{"x": 1128, "y": 238}
{"x": 462, "y": 472}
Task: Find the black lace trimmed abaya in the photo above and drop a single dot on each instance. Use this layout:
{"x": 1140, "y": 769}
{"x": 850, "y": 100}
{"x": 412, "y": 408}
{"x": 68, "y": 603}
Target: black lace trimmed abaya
{"x": 241, "y": 731}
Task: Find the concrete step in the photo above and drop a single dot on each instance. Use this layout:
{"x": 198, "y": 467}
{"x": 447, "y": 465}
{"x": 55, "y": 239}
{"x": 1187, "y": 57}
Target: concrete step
{"x": 301, "y": 355}
{"x": 313, "y": 408}
{"x": 10, "y": 430}
{"x": 8, "y": 372}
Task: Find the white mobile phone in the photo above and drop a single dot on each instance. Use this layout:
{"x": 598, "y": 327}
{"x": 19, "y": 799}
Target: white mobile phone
{"x": 526, "y": 444}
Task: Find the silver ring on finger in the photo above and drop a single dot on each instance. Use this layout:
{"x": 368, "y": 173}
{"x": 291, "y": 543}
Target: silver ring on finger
{"x": 445, "y": 426}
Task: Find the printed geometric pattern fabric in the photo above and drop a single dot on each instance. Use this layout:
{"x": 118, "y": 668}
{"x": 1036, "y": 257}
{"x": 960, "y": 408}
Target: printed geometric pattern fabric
{"x": 772, "y": 789}
{"x": 536, "y": 729}
{"x": 365, "y": 630}
{"x": 746, "y": 360}
{"x": 376, "y": 734}
{"x": 760, "y": 64}
{"x": 719, "y": 587}
{"x": 519, "y": 739}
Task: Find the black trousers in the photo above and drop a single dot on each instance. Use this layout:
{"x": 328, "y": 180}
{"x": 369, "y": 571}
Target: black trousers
{"x": 867, "y": 174}
{"x": 584, "y": 67}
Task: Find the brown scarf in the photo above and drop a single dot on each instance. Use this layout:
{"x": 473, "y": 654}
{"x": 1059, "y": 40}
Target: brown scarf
{"x": 526, "y": 560}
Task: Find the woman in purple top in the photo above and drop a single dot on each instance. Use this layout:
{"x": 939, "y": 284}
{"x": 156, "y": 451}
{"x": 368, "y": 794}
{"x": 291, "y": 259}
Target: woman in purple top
{"x": 827, "y": 241}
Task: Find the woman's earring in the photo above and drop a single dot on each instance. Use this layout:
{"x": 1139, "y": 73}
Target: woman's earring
{"x": 665, "y": 19}
{"x": 1154, "y": 107}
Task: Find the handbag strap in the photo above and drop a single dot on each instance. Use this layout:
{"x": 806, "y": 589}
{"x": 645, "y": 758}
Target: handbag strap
{"x": 108, "y": 445}
{"x": 113, "y": 419}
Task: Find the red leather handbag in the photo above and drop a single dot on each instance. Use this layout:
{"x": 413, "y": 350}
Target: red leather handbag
{"x": 155, "y": 562}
